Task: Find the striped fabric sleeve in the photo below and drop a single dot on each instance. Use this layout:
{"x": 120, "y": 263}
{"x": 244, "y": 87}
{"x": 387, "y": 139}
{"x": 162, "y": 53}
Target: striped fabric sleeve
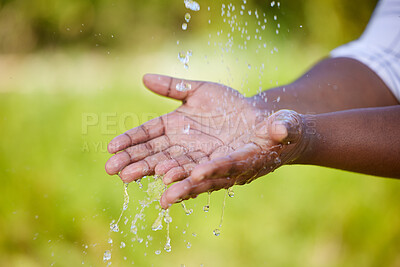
{"x": 379, "y": 45}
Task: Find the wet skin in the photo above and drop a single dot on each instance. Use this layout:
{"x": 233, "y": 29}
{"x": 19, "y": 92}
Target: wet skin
{"x": 332, "y": 116}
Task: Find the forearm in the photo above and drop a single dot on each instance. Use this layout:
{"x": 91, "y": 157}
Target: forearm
{"x": 359, "y": 140}
{"x": 334, "y": 84}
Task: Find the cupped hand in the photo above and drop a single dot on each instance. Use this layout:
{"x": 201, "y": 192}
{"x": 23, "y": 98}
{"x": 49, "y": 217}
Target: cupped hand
{"x": 215, "y": 139}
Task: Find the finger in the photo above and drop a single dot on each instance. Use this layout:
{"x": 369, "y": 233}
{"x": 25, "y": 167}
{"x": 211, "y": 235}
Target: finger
{"x": 191, "y": 157}
{"x": 185, "y": 189}
{"x": 178, "y": 173}
{"x": 230, "y": 165}
{"x": 135, "y": 171}
{"x": 285, "y": 126}
{"x": 175, "y": 193}
{"x": 115, "y": 164}
{"x": 145, "y": 132}
{"x": 142, "y": 168}
{"x": 133, "y": 154}
{"x": 167, "y": 86}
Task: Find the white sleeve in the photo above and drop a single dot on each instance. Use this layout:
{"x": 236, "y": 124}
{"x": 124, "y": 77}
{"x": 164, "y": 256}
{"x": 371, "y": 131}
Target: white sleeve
{"x": 379, "y": 45}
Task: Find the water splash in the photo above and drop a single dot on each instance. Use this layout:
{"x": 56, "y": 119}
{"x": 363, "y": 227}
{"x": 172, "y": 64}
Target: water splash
{"x": 184, "y": 57}
{"x": 157, "y": 225}
{"x": 107, "y": 256}
{"x": 168, "y": 220}
{"x": 155, "y": 189}
{"x": 114, "y": 224}
{"x": 126, "y": 197}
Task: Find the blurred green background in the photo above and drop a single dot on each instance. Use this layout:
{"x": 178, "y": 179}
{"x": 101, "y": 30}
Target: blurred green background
{"x": 70, "y": 80}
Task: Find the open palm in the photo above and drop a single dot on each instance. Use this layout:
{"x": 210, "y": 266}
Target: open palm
{"x": 215, "y": 139}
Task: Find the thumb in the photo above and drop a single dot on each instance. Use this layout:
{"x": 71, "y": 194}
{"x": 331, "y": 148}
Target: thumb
{"x": 285, "y": 127}
{"x": 170, "y": 87}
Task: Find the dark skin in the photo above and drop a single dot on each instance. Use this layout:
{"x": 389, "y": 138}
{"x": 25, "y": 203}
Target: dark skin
{"x": 354, "y": 125}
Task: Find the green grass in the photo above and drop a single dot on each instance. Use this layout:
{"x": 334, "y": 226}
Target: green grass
{"x": 57, "y": 199}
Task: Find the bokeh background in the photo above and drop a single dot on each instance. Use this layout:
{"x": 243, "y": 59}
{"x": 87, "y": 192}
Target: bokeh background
{"x": 70, "y": 80}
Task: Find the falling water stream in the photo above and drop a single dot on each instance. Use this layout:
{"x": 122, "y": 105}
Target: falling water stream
{"x": 155, "y": 187}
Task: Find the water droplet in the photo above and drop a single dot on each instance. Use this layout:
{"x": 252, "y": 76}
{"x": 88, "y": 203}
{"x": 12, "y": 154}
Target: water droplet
{"x": 107, "y": 256}
{"x": 272, "y": 3}
{"x": 110, "y": 241}
{"x": 187, "y": 211}
{"x": 277, "y": 161}
{"x": 184, "y": 26}
{"x": 275, "y": 17}
{"x": 192, "y": 5}
{"x": 188, "y": 245}
{"x": 187, "y": 17}
{"x": 216, "y": 232}
{"x": 183, "y": 87}
{"x": 157, "y": 252}
{"x": 186, "y": 129}
{"x": 182, "y": 57}
{"x": 114, "y": 227}
{"x": 167, "y": 217}
{"x": 122, "y": 245}
{"x": 206, "y": 208}
{"x": 230, "y": 192}
{"x": 167, "y": 246}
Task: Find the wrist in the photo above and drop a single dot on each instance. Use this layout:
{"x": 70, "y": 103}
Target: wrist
{"x": 306, "y": 142}
{"x": 294, "y": 132}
